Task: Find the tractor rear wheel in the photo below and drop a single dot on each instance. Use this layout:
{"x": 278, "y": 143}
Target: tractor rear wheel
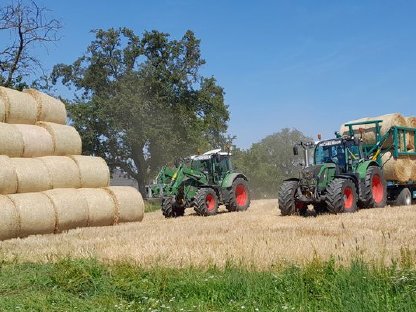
{"x": 373, "y": 193}
{"x": 206, "y": 202}
{"x": 239, "y": 196}
{"x": 171, "y": 209}
{"x": 341, "y": 196}
{"x": 288, "y": 204}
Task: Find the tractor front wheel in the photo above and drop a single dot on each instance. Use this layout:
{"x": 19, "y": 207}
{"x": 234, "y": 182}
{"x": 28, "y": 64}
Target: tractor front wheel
{"x": 373, "y": 193}
{"x": 341, "y": 196}
{"x": 288, "y": 204}
{"x": 171, "y": 209}
{"x": 239, "y": 196}
{"x": 206, "y": 202}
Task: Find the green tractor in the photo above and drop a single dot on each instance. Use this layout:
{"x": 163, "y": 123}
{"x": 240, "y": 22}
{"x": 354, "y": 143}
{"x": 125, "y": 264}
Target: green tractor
{"x": 342, "y": 177}
{"x": 203, "y": 182}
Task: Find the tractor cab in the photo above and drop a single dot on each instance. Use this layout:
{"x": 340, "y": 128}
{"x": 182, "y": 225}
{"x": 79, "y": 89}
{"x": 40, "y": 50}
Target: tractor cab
{"x": 344, "y": 152}
{"x": 215, "y": 164}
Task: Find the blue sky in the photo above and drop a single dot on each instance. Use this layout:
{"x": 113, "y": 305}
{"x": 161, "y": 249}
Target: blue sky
{"x": 309, "y": 65}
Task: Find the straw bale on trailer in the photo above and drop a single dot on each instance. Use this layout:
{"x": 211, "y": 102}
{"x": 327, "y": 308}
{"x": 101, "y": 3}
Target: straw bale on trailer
{"x": 11, "y": 141}
{"x": 9, "y": 221}
{"x": 70, "y": 207}
{"x": 36, "y": 213}
{"x": 66, "y": 139}
{"x": 49, "y": 108}
{"x": 8, "y": 177}
{"x": 94, "y": 171}
{"x": 63, "y": 171}
{"x": 411, "y": 123}
{"x": 369, "y": 134}
{"x": 129, "y": 203}
{"x": 36, "y": 141}
{"x": 399, "y": 169}
{"x": 20, "y": 108}
{"x": 32, "y": 175}
{"x": 101, "y": 206}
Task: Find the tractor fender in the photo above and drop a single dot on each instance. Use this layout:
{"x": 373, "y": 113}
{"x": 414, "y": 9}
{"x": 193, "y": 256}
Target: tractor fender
{"x": 229, "y": 179}
{"x": 363, "y": 167}
{"x": 351, "y": 177}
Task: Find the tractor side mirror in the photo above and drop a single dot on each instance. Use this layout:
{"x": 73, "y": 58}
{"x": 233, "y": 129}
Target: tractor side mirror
{"x": 295, "y": 150}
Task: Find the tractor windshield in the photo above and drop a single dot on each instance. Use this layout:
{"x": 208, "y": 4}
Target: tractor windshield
{"x": 332, "y": 151}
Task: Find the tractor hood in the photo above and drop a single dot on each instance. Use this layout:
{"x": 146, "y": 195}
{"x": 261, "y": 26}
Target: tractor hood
{"x": 311, "y": 172}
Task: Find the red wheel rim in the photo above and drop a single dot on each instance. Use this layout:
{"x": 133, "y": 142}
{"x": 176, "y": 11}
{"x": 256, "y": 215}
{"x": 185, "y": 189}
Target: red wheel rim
{"x": 377, "y": 188}
{"x": 210, "y": 201}
{"x": 348, "y": 197}
{"x": 241, "y": 195}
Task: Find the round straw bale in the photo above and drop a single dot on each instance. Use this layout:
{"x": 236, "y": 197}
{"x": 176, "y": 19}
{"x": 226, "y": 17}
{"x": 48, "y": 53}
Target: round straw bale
{"x": 32, "y": 175}
{"x": 101, "y": 206}
{"x": 11, "y": 141}
{"x": 8, "y": 177}
{"x": 36, "y": 213}
{"x": 399, "y": 169}
{"x": 3, "y": 107}
{"x": 369, "y": 134}
{"x": 93, "y": 170}
{"x": 129, "y": 203}
{"x": 9, "y": 219}
{"x": 66, "y": 139}
{"x": 70, "y": 207}
{"x": 411, "y": 123}
{"x": 36, "y": 141}
{"x": 49, "y": 108}
{"x": 63, "y": 171}
{"x": 21, "y": 108}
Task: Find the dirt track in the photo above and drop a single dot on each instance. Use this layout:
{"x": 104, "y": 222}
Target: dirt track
{"x": 259, "y": 237}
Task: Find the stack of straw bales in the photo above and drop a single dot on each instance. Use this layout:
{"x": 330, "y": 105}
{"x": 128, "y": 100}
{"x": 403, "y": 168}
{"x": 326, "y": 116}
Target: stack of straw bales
{"x": 401, "y": 169}
{"x": 46, "y": 185}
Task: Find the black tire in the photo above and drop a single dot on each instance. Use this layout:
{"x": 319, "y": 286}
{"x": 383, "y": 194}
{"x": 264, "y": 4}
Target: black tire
{"x": 206, "y": 202}
{"x": 239, "y": 196}
{"x": 288, "y": 204}
{"x": 170, "y": 209}
{"x": 167, "y": 207}
{"x": 373, "y": 192}
{"x": 404, "y": 198}
{"x": 341, "y": 196}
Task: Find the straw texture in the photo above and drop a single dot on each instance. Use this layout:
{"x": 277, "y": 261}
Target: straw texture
{"x": 3, "y": 107}
{"x": 411, "y": 123}
{"x": 36, "y": 213}
{"x": 8, "y": 177}
{"x": 36, "y": 141}
{"x": 397, "y": 169}
{"x": 63, "y": 171}
{"x": 32, "y": 175}
{"x": 9, "y": 220}
{"x": 11, "y": 141}
{"x": 66, "y": 139}
{"x": 93, "y": 170}
{"x": 21, "y": 108}
{"x": 129, "y": 203}
{"x": 70, "y": 207}
{"x": 49, "y": 108}
{"x": 101, "y": 206}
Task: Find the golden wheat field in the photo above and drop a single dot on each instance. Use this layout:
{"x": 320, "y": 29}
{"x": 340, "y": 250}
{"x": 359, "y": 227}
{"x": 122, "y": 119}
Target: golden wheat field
{"x": 259, "y": 238}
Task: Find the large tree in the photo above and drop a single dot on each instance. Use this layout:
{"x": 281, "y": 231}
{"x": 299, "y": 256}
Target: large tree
{"x": 270, "y": 161}
{"x": 141, "y": 102}
{"x": 23, "y": 26}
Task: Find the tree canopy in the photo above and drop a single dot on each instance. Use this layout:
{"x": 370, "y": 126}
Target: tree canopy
{"x": 141, "y": 101}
